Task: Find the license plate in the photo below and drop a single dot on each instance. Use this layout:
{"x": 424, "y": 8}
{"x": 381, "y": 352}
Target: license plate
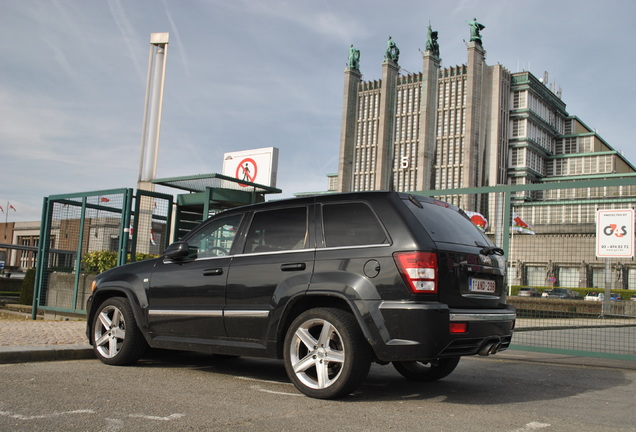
{"x": 481, "y": 285}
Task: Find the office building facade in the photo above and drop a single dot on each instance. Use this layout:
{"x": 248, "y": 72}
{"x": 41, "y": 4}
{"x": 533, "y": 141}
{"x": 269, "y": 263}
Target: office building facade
{"x": 470, "y": 125}
{"x": 478, "y": 125}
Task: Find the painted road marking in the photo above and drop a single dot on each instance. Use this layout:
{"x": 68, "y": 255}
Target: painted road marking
{"x": 532, "y": 426}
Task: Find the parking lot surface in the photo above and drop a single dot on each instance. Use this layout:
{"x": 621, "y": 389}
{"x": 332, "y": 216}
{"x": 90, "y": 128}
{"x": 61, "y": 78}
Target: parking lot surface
{"x": 183, "y": 391}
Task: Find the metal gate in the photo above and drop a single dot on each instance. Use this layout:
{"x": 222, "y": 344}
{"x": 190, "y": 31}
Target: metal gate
{"x": 84, "y": 233}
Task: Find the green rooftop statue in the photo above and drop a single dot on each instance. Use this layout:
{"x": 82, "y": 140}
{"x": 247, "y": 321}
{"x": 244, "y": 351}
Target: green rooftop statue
{"x": 475, "y": 29}
{"x": 431, "y": 42}
{"x": 354, "y": 58}
{"x": 392, "y": 51}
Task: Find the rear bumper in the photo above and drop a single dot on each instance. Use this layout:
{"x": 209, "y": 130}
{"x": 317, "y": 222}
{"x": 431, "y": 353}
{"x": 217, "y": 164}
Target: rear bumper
{"x": 421, "y": 331}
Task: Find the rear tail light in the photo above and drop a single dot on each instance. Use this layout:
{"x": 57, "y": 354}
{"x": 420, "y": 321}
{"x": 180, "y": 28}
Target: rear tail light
{"x": 419, "y": 270}
{"x": 458, "y": 327}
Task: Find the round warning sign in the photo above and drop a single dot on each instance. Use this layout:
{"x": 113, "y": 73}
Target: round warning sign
{"x": 256, "y": 166}
{"x": 246, "y": 170}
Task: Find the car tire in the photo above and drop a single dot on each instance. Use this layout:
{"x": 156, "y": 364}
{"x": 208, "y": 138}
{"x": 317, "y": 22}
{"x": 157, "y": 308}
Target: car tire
{"x": 427, "y": 371}
{"x": 326, "y": 355}
{"x": 115, "y": 337}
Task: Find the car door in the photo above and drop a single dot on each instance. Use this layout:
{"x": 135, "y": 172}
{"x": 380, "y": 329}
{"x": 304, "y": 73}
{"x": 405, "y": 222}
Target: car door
{"x": 187, "y": 296}
{"x": 277, "y": 262}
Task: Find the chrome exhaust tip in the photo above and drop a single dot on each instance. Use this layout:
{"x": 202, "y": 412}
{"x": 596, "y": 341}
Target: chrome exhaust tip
{"x": 485, "y": 349}
{"x": 490, "y": 347}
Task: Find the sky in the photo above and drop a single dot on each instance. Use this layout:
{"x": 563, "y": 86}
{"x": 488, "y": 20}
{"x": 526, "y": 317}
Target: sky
{"x": 248, "y": 74}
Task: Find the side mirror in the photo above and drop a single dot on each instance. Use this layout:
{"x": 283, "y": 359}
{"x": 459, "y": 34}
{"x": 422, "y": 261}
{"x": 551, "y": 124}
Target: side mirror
{"x": 177, "y": 251}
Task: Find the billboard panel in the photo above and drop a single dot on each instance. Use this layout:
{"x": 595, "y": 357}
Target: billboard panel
{"x": 257, "y": 166}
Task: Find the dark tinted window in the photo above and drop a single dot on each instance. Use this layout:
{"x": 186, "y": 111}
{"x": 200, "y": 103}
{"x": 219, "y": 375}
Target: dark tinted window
{"x": 447, "y": 224}
{"x": 278, "y": 230}
{"x": 215, "y": 238}
{"x": 351, "y": 224}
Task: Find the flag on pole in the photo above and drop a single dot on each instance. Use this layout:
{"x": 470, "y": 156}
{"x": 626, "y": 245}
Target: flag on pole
{"x": 11, "y": 207}
{"x": 478, "y": 219}
{"x": 152, "y": 238}
{"x": 520, "y": 225}
{"x": 1, "y": 209}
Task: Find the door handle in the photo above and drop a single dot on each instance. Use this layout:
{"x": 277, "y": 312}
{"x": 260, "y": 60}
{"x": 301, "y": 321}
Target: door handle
{"x": 213, "y": 272}
{"x": 293, "y": 267}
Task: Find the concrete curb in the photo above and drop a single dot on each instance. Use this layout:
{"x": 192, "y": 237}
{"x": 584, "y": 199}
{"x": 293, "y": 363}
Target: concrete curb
{"x": 26, "y": 354}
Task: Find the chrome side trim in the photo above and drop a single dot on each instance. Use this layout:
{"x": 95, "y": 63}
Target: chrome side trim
{"x": 218, "y": 313}
{"x": 286, "y": 251}
{"x": 189, "y": 313}
{"x": 247, "y": 313}
{"x": 409, "y": 305}
{"x": 169, "y": 261}
{"x": 378, "y": 245}
{"x": 482, "y": 316}
{"x": 322, "y": 249}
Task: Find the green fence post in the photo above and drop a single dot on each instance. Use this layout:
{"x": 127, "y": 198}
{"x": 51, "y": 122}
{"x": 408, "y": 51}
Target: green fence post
{"x": 42, "y": 258}
{"x": 124, "y": 231}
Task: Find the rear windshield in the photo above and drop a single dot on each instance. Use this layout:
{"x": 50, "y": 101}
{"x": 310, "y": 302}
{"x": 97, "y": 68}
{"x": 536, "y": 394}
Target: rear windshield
{"x": 446, "y": 224}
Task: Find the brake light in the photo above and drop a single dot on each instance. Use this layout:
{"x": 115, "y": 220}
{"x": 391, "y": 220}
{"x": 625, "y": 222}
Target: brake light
{"x": 419, "y": 270}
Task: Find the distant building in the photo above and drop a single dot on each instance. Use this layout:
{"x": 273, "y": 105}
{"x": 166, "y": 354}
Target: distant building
{"x": 19, "y": 243}
{"x": 470, "y": 125}
{"x": 476, "y": 125}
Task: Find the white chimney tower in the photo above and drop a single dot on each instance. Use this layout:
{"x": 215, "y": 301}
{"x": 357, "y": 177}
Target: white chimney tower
{"x": 152, "y": 110}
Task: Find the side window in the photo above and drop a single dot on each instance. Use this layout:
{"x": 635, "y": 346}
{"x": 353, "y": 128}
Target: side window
{"x": 215, "y": 239}
{"x": 351, "y": 224}
{"x": 277, "y": 230}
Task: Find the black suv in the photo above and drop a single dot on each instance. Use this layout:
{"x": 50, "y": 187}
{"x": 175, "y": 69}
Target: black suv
{"x": 328, "y": 283}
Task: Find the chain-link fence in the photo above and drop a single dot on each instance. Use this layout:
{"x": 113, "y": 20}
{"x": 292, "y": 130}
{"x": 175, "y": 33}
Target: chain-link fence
{"x": 568, "y": 300}
{"x": 86, "y": 233}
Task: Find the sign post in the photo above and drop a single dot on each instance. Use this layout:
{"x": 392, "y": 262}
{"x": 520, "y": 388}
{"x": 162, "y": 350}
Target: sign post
{"x": 614, "y": 239}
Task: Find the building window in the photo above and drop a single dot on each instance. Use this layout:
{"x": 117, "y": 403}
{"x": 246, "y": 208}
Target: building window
{"x": 598, "y": 277}
{"x": 519, "y": 100}
{"x": 631, "y": 279}
{"x": 569, "y": 277}
{"x": 518, "y": 128}
{"x": 28, "y": 258}
{"x": 535, "y": 275}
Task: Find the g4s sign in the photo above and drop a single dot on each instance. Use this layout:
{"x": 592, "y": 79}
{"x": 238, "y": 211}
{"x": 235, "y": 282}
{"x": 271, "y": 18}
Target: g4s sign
{"x": 613, "y": 229}
{"x": 615, "y": 233}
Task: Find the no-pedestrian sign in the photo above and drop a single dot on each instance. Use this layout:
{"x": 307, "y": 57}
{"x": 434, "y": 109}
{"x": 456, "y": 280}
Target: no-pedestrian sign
{"x": 258, "y": 166}
{"x": 247, "y": 170}
{"x": 615, "y": 233}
